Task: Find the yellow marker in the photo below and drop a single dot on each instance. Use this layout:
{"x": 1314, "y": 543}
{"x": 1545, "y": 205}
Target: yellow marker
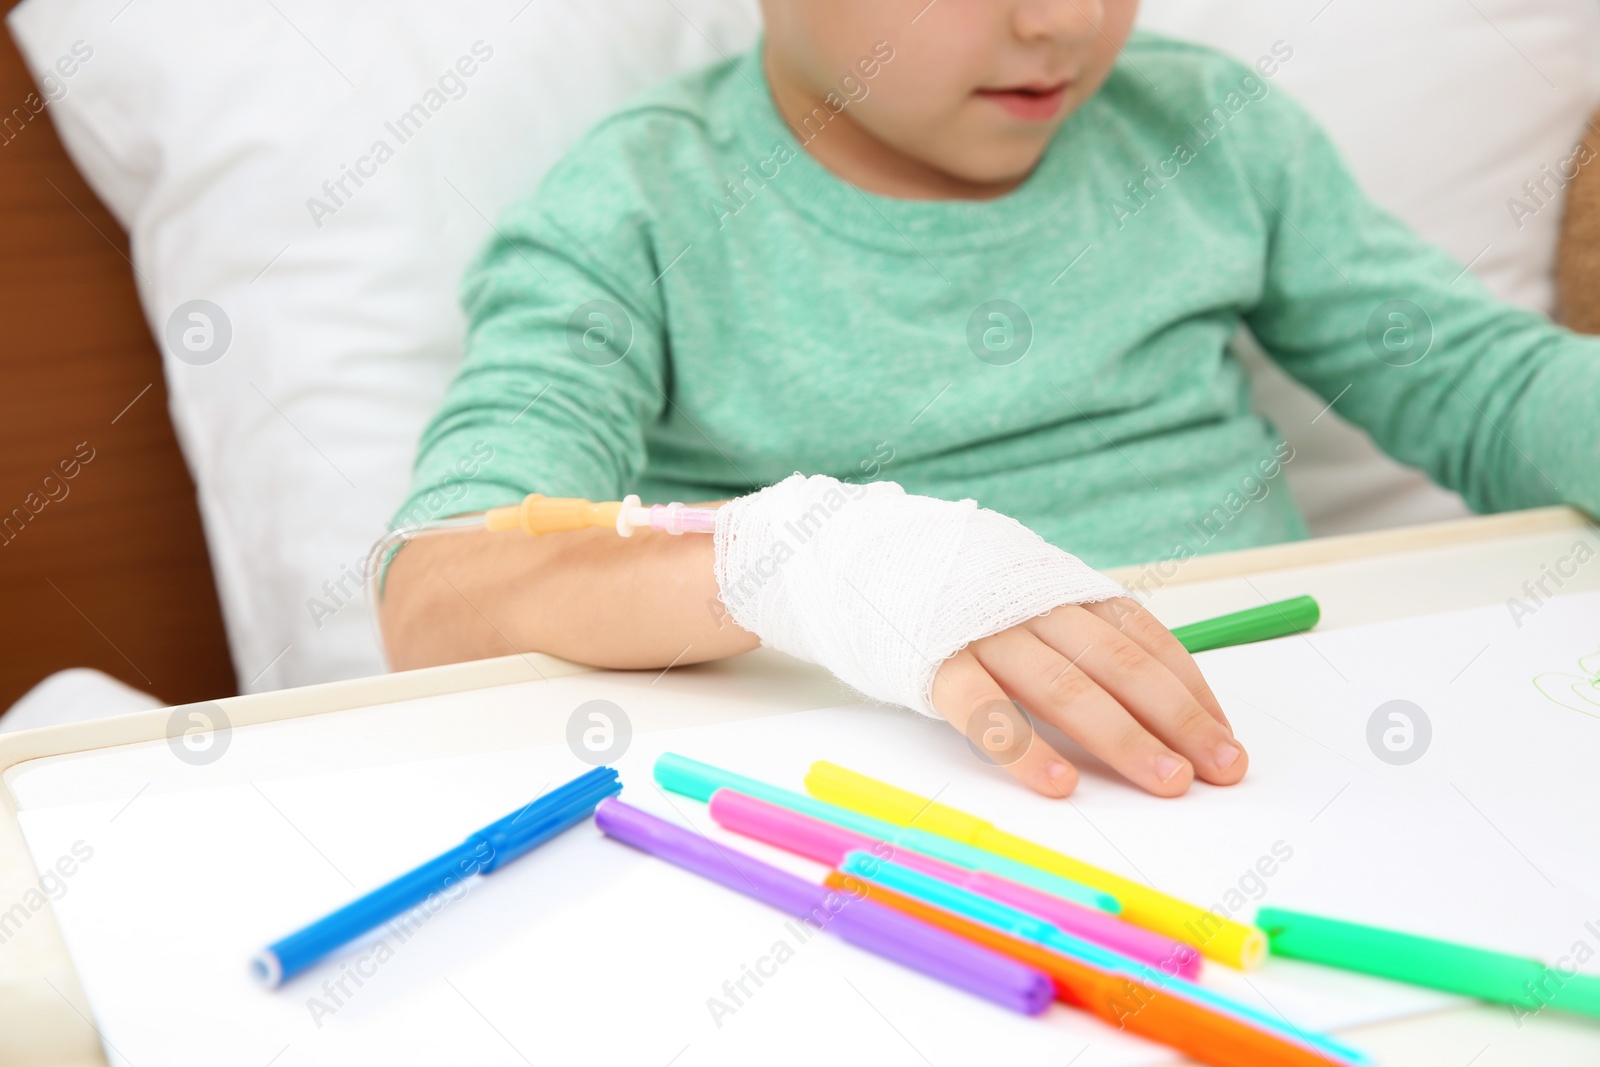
{"x": 1216, "y": 936}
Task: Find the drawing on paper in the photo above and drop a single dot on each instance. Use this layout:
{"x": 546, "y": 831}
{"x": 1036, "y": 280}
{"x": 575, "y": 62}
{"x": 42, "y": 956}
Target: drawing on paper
{"x": 1580, "y": 692}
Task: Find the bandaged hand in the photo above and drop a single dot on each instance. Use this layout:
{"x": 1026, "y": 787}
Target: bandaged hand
{"x": 955, "y": 610}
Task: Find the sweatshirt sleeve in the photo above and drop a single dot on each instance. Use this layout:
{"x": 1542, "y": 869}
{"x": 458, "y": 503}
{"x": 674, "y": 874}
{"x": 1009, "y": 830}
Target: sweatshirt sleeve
{"x": 1491, "y": 400}
{"x": 564, "y": 363}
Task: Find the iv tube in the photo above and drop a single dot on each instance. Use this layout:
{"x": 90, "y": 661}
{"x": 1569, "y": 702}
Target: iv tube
{"x": 538, "y": 514}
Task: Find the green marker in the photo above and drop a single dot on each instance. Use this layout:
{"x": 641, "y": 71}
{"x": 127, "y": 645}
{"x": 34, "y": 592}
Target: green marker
{"x": 1474, "y": 972}
{"x": 1278, "y": 619}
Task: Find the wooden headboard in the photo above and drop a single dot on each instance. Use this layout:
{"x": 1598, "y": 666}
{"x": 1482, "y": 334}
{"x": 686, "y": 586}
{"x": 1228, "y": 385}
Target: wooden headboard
{"x": 1578, "y": 265}
{"x": 102, "y": 561}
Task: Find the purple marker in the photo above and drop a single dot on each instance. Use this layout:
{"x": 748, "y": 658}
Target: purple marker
{"x": 888, "y": 933}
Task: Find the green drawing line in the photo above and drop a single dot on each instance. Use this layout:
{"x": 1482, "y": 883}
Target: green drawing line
{"x": 1568, "y": 690}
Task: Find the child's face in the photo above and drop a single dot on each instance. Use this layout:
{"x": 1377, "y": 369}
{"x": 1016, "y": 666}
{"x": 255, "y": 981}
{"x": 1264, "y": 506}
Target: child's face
{"x": 974, "y": 89}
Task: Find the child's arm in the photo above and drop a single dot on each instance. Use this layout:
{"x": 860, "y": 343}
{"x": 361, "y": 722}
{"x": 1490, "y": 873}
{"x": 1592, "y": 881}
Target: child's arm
{"x": 1489, "y": 399}
{"x": 1108, "y": 674}
{"x": 565, "y": 368}
{"x": 646, "y": 601}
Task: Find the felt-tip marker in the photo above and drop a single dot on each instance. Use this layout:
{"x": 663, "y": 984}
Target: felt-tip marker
{"x": 1277, "y": 619}
{"x": 484, "y": 852}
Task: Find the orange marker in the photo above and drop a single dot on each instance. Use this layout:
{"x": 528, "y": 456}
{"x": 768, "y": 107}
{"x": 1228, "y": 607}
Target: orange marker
{"x": 1124, "y": 1002}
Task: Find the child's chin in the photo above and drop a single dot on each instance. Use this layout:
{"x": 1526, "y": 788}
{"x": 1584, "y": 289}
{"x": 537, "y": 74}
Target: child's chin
{"x": 999, "y": 166}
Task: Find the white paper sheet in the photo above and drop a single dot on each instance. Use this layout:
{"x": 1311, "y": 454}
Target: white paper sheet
{"x": 586, "y": 951}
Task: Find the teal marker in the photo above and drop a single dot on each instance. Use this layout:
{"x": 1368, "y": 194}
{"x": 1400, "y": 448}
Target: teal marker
{"x": 1278, "y": 619}
{"x": 698, "y": 781}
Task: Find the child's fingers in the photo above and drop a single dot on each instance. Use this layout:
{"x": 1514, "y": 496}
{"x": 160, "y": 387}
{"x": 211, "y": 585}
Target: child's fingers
{"x": 1129, "y": 616}
{"x": 975, "y": 704}
{"x": 1064, "y": 695}
{"x": 1143, "y": 686}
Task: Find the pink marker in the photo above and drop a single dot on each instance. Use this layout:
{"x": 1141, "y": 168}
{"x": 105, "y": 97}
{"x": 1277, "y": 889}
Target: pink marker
{"x": 827, "y": 843}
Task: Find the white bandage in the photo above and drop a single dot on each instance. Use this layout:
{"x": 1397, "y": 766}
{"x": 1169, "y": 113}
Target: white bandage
{"x": 881, "y": 587}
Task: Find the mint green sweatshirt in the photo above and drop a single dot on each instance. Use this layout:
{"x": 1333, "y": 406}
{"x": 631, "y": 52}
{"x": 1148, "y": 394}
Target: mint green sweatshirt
{"x": 691, "y": 307}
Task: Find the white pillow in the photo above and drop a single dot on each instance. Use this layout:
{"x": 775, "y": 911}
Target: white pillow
{"x": 209, "y": 129}
{"x": 74, "y": 695}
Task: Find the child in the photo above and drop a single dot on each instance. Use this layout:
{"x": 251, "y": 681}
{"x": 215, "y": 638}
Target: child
{"x": 986, "y": 249}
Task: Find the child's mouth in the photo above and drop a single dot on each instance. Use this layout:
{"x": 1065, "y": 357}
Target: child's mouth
{"x": 1031, "y": 103}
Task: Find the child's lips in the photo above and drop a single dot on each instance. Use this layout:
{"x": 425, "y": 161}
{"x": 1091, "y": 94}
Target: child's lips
{"x": 1029, "y": 103}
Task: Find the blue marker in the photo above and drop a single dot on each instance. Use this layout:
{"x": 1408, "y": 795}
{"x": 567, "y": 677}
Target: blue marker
{"x": 483, "y": 853}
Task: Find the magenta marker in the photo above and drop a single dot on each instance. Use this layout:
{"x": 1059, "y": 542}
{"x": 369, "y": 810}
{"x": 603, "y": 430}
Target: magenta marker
{"x": 827, "y": 843}
{"x": 877, "y": 929}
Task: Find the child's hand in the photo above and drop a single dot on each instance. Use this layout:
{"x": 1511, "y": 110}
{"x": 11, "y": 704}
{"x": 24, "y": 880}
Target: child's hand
{"x": 880, "y": 586}
{"x": 1110, "y": 677}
